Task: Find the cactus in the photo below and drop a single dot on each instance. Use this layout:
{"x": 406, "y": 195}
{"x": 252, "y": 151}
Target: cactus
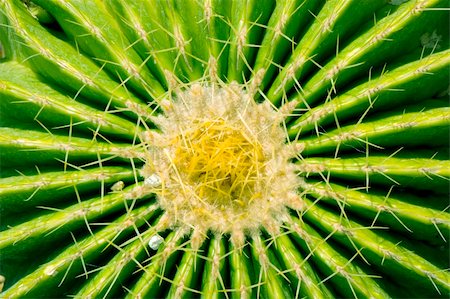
{"x": 224, "y": 149}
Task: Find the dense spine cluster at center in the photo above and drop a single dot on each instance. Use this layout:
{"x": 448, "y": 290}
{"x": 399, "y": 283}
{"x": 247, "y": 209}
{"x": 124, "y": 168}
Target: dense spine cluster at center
{"x": 221, "y": 162}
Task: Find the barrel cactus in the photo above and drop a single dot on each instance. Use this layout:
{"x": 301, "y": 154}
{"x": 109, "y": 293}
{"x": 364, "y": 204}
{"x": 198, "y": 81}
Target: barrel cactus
{"x": 224, "y": 148}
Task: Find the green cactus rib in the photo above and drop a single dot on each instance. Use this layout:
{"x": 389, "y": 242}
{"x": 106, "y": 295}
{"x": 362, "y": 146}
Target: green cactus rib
{"x": 241, "y": 272}
{"x": 389, "y": 210}
{"x": 303, "y": 278}
{"x": 271, "y": 282}
{"x": 383, "y": 252}
{"x": 387, "y": 90}
{"x": 89, "y": 25}
{"x": 213, "y": 284}
{"x": 405, "y": 129}
{"x": 154, "y": 276}
{"x": 319, "y": 38}
{"x": 184, "y": 282}
{"x": 80, "y": 254}
{"x": 342, "y": 272}
{"x": 359, "y": 91}
{"x": 375, "y": 42}
{"x": 14, "y": 187}
{"x": 189, "y": 54}
{"x": 65, "y": 220}
{"x": 246, "y": 19}
{"x": 19, "y": 85}
{"x": 70, "y": 69}
{"x": 21, "y": 147}
{"x": 287, "y": 20}
{"x": 119, "y": 267}
{"x": 420, "y": 173}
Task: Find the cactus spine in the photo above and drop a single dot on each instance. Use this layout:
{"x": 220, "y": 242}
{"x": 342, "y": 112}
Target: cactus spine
{"x": 217, "y": 149}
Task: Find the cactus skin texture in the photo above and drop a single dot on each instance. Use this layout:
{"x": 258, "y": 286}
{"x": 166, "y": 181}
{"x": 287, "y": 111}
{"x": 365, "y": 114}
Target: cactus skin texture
{"x": 119, "y": 121}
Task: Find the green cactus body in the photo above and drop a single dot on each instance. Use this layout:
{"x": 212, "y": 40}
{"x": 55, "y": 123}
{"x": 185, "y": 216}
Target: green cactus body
{"x": 224, "y": 149}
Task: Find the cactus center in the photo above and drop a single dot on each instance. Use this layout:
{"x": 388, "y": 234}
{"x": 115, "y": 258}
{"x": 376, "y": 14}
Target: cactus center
{"x": 220, "y": 161}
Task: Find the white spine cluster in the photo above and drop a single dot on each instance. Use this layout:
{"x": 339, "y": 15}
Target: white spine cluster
{"x": 222, "y": 162}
